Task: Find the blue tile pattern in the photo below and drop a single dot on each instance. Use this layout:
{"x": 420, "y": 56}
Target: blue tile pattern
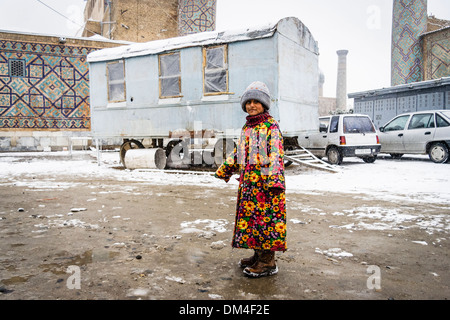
{"x": 409, "y": 21}
{"x": 196, "y": 16}
{"x": 52, "y": 94}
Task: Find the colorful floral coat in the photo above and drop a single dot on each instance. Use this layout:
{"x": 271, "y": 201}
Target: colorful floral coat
{"x": 261, "y": 203}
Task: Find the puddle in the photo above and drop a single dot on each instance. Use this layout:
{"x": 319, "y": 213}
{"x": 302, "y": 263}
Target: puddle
{"x": 64, "y": 260}
{"x": 16, "y": 280}
{"x": 62, "y": 263}
{"x": 13, "y": 245}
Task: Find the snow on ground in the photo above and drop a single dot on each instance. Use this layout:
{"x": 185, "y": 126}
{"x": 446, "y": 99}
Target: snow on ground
{"x": 411, "y": 180}
{"x": 414, "y": 180}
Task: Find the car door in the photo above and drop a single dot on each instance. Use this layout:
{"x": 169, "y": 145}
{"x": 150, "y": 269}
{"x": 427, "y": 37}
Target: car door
{"x": 333, "y": 132}
{"x": 421, "y": 130}
{"x": 391, "y": 135}
{"x": 442, "y": 126}
{"x": 318, "y": 140}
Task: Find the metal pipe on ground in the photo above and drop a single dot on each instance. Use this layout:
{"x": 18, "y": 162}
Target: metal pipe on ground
{"x": 154, "y": 158}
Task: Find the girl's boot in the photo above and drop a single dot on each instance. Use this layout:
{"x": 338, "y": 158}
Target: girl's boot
{"x": 264, "y": 266}
{"x": 248, "y": 262}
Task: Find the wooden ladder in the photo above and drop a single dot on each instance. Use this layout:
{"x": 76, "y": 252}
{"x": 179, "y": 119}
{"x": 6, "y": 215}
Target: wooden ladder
{"x": 304, "y": 157}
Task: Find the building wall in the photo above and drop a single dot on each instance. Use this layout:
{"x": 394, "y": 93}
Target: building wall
{"x": 132, "y": 20}
{"x": 142, "y": 21}
{"x": 436, "y": 54}
{"x": 434, "y": 24}
{"x": 147, "y": 20}
{"x": 49, "y": 102}
{"x": 327, "y": 106}
{"x": 384, "y": 104}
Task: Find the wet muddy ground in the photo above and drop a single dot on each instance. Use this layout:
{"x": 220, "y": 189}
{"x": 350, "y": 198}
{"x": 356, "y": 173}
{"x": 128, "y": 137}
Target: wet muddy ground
{"x": 97, "y": 237}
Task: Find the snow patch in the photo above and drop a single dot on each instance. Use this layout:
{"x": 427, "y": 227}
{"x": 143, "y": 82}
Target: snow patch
{"x": 334, "y": 252}
{"x": 208, "y": 224}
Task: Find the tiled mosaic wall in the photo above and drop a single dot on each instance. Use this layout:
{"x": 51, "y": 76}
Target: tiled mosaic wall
{"x": 196, "y": 16}
{"x": 409, "y": 21}
{"x": 51, "y": 92}
{"x": 437, "y": 54}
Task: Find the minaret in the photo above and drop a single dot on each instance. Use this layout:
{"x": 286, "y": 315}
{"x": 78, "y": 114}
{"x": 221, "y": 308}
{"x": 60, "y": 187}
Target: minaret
{"x": 409, "y": 21}
{"x": 196, "y": 16}
{"x": 341, "y": 84}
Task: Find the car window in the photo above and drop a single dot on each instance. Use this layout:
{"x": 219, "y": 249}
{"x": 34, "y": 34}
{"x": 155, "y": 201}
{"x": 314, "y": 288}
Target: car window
{"x": 441, "y": 122}
{"x": 397, "y": 124}
{"x": 446, "y": 114}
{"x": 323, "y": 124}
{"x": 422, "y": 120}
{"x": 334, "y": 124}
{"x": 358, "y": 125}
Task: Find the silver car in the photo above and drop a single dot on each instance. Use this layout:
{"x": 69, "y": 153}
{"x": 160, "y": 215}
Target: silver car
{"x": 422, "y": 132}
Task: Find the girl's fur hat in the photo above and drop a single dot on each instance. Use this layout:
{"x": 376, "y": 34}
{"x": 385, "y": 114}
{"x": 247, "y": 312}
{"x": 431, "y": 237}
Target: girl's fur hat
{"x": 256, "y": 91}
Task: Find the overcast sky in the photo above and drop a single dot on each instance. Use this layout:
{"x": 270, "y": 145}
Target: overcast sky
{"x": 361, "y": 26}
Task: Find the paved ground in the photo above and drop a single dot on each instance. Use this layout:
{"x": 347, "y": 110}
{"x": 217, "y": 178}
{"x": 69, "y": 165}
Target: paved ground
{"x": 97, "y": 237}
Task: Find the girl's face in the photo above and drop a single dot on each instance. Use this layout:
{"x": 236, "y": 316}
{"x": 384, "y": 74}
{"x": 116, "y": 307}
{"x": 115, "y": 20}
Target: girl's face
{"x": 254, "y": 107}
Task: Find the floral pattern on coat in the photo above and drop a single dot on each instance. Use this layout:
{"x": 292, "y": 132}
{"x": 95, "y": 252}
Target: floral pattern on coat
{"x": 261, "y": 204}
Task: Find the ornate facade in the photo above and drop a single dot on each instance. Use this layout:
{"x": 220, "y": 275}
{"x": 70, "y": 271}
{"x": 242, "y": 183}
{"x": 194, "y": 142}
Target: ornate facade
{"x": 44, "y": 86}
{"x": 436, "y": 53}
{"x": 409, "y": 21}
{"x": 196, "y": 16}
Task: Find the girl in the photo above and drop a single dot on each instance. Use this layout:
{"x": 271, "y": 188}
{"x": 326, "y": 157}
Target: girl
{"x": 260, "y": 222}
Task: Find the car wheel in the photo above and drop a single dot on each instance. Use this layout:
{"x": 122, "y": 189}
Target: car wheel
{"x": 396, "y": 155}
{"x": 334, "y": 156}
{"x": 369, "y": 159}
{"x": 438, "y": 152}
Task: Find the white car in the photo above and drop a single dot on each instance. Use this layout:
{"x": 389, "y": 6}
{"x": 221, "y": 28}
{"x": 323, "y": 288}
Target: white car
{"x": 343, "y": 135}
{"x": 422, "y": 132}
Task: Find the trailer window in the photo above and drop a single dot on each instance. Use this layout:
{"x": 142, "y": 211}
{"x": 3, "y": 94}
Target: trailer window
{"x": 116, "y": 81}
{"x": 169, "y": 75}
{"x": 215, "y": 67}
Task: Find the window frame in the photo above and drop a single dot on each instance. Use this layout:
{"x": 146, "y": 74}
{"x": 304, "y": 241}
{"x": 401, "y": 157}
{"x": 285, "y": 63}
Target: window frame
{"x": 395, "y": 120}
{"x": 420, "y": 116}
{"x": 161, "y": 77}
{"x": 357, "y": 125}
{"x": 116, "y": 82}
{"x": 441, "y": 120}
{"x": 224, "y": 67}
{"x": 324, "y": 124}
{"x": 334, "y": 124}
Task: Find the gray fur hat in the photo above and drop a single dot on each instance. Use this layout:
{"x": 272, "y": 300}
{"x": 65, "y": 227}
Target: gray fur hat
{"x": 256, "y": 91}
